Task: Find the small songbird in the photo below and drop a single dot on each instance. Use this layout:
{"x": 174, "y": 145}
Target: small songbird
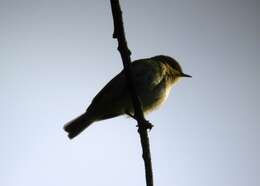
{"x": 153, "y": 79}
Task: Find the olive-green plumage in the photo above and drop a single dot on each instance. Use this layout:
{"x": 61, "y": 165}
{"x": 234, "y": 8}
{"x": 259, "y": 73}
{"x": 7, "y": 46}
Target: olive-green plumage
{"x": 153, "y": 78}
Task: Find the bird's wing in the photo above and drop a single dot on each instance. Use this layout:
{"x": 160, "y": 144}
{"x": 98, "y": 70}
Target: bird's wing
{"x": 111, "y": 93}
{"x": 114, "y": 95}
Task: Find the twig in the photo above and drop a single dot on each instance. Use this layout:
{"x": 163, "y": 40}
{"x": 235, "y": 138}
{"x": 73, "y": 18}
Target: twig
{"x": 143, "y": 124}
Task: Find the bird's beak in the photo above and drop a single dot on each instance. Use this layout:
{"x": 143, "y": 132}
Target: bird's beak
{"x": 185, "y": 75}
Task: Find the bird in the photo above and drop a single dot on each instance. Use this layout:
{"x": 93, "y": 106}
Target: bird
{"x": 153, "y": 77}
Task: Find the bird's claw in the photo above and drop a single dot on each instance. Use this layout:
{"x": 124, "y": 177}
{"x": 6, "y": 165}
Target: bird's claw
{"x": 146, "y": 125}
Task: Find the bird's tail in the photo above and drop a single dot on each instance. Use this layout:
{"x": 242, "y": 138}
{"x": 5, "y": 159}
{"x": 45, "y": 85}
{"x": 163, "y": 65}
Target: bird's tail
{"x": 77, "y": 125}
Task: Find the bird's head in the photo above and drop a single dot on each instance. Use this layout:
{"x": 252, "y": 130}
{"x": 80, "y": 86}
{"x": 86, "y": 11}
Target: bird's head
{"x": 176, "y": 69}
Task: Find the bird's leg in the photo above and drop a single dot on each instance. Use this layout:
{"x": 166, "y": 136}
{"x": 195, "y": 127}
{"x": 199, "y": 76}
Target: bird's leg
{"x": 145, "y": 123}
{"x": 130, "y": 115}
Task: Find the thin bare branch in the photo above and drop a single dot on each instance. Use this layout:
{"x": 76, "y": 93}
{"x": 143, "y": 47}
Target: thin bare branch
{"x": 143, "y": 124}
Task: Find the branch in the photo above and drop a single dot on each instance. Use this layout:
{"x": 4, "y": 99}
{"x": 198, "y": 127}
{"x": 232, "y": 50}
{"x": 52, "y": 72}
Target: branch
{"x": 143, "y": 124}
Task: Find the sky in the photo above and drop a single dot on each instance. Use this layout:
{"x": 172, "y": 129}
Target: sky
{"x": 56, "y": 55}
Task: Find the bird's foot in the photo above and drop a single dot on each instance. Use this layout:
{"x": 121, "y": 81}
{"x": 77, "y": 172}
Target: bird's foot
{"x": 145, "y": 124}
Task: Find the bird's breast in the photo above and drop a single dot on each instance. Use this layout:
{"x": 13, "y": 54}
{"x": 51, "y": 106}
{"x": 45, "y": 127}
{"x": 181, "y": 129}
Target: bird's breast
{"x": 154, "y": 97}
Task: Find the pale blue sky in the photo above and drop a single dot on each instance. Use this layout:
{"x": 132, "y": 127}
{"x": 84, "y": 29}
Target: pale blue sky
{"x": 56, "y": 55}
